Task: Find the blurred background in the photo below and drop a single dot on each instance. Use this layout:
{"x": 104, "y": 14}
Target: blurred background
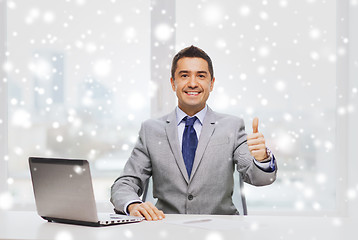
{"x": 81, "y": 76}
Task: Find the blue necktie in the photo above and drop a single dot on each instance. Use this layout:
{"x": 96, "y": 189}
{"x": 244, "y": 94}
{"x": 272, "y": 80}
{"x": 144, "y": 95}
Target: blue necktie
{"x": 189, "y": 144}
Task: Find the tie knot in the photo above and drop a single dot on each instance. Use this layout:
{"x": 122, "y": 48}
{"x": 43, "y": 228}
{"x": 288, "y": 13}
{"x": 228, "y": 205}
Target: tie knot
{"x": 189, "y": 121}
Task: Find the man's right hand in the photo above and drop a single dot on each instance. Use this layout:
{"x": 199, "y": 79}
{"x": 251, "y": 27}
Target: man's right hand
{"x": 147, "y": 210}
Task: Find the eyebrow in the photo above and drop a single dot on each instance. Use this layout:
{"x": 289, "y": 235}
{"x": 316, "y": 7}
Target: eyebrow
{"x": 187, "y": 71}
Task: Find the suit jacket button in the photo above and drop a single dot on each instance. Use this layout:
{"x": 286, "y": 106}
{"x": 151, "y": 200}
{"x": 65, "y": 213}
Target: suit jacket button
{"x": 190, "y": 197}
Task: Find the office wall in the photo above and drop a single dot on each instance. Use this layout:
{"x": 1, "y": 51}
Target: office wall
{"x": 3, "y": 103}
{"x": 352, "y": 188}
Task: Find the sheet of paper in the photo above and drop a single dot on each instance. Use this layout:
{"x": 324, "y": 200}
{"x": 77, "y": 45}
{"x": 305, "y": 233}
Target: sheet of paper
{"x": 213, "y": 223}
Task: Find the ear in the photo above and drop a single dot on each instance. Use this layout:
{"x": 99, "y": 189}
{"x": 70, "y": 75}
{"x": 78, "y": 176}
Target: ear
{"x": 212, "y": 84}
{"x": 173, "y": 84}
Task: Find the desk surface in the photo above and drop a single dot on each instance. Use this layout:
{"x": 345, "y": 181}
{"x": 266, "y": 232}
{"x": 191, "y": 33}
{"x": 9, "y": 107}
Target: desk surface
{"x": 28, "y": 225}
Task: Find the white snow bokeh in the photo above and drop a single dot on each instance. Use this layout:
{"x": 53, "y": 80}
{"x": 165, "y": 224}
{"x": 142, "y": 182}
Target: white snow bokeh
{"x": 212, "y": 13}
{"x": 214, "y": 236}
{"x": 130, "y": 34}
{"x": 41, "y": 68}
{"x": 63, "y": 62}
{"x": 128, "y": 233}
{"x": 48, "y": 17}
{"x": 245, "y": 11}
{"x": 8, "y": 66}
{"x": 63, "y": 235}
{"x": 163, "y": 32}
{"x": 21, "y": 118}
{"x": 6, "y": 201}
{"x": 79, "y": 80}
{"x": 102, "y": 67}
{"x": 32, "y": 15}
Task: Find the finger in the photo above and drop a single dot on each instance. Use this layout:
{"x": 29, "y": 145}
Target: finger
{"x": 154, "y": 211}
{"x": 140, "y": 210}
{"x": 255, "y": 141}
{"x": 162, "y": 213}
{"x": 255, "y": 136}
{"x": 157, "y": 213}
{"x": 148, "y": 207}
{"x": 257, "y": 147}
{"x": 136, "y": 213}
{"x": 149, "y": 204}
{"x": 144, "y": 212}
{"x": 259, "y": 155}
{"x": 255, "y": 125}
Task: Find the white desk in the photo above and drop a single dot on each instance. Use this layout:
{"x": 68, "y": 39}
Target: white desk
{"x": 28, "y": 225}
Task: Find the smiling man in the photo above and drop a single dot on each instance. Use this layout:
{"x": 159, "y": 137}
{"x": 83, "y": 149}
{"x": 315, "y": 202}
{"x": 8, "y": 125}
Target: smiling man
{"x": 193, "y": 84}
{"x": 192, "y": 152}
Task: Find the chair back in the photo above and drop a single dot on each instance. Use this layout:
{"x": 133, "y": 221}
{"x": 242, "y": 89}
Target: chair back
{"x": 148, "y": 192}
{"x": 238, "y": 196}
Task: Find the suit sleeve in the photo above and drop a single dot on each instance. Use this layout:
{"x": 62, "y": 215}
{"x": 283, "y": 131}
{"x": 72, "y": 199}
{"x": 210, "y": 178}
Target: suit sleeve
{"x": 250, "y": 172}
{"x": 130, "y": 185}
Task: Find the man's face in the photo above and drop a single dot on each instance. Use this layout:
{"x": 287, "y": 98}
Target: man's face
{"x": 192, "y": 84}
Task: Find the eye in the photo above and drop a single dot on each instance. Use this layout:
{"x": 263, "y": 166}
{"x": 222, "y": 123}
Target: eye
{"x": 184, "y": 75}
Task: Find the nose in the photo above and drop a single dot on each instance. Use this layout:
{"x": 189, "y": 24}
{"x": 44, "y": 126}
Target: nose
{"x": 193, "y": 83}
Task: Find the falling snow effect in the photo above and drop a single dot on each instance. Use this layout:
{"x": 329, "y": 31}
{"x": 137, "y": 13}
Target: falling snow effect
{"x": 6, "y": 201}
{"x": 80, "y": 86}
{"x": 63, "y": 235}
{"x": 214, "y": 236}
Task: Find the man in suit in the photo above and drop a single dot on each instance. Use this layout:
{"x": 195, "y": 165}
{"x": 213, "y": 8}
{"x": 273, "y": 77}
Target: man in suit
{"x": 191, "y": 153}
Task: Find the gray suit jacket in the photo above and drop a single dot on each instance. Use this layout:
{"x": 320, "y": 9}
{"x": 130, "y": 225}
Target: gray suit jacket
{"x": 222, "y": 146}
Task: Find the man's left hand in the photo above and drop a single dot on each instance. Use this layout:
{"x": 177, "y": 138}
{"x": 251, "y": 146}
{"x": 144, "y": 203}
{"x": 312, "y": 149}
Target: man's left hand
{"x": 256, "y": 142}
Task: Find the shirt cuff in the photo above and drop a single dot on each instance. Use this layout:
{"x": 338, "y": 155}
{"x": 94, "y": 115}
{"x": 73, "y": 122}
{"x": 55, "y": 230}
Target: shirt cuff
{"x": 267, "y": 165}
{"x": 125, "y": 210}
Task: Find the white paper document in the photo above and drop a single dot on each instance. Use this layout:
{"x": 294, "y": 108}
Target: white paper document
{"x": 213, "y": 223}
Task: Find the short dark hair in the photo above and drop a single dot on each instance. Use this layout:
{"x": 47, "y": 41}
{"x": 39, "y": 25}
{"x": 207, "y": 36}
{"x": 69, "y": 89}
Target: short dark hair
{"x": 192, "y": 52}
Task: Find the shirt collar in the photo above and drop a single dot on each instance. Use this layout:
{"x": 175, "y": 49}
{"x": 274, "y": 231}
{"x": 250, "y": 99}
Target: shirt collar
{"x": 200, "y": 115}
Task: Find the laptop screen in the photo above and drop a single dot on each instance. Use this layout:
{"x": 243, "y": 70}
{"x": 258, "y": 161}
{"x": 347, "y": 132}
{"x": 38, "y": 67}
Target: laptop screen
{"x": 63, "y": 188}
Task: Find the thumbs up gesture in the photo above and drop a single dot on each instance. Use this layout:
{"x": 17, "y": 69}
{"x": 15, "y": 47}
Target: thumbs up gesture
{"x": 256, "y": 142}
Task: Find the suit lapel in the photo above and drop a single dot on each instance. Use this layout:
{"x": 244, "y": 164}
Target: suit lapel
{"x": 206, "y": 132}
{"x": 172, "y": 134}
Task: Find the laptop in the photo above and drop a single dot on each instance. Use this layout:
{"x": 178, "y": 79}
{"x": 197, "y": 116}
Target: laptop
{"x": 64, "y": 193}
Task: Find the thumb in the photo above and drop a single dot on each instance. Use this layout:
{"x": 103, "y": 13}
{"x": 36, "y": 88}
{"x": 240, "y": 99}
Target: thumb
{"x": 255, "y": 125}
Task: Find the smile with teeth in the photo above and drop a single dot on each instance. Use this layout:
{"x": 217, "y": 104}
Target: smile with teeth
{"x": 192, "y": 93}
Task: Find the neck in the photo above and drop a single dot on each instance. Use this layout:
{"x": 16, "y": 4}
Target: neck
{"x": 191, "y": 111}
